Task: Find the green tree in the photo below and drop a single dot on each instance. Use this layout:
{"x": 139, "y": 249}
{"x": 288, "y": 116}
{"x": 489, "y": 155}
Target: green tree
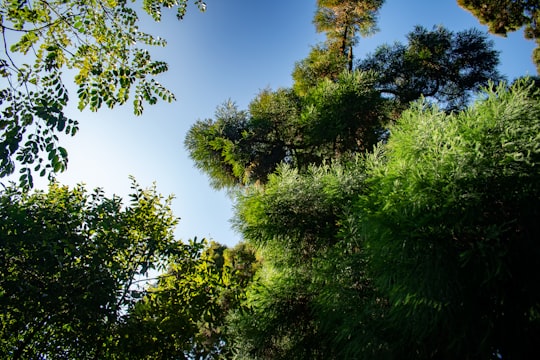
{"x": 315, "y": 207}
{"x": 321, "y": 63}
{"x": 243, "y": 147}
{"x": 331, "y": 120}
{"x": 184, "y": 314}
{"x": 69, "y": 266}
{"x": 332, "y": 112}
{"x": 342, "y": 117}
{"x": 440, "y": 65}
{"x": 424, "y": 250}
{"x": 309, "y": 300}
{"x": 343, "y": 20}
{"x": 451, "y": 226}
{"x": 214, "y": 145}
{"x": 504, "y": 16}
{"x": 100, "y": 41}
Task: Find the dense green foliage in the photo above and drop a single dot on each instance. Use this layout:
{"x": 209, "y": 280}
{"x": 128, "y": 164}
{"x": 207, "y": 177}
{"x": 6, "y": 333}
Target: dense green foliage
{"x": 69, "y": 261}
{"x": 451, "y": 227}
{"x": 183, "y": 315}
{"x": 425, "y": 249}
{"x": 504, "y": 16}
{"x": 384, "y": 216}
{"x": 100, "y": 41}
{"x": 440, "y": 65}
{"x": 339, "y": 277}
{"x": 333, "y": 119}
{"x": 74, "y": 279}
{"x": 296, "y": 223}
{"x": 332, "y": 112}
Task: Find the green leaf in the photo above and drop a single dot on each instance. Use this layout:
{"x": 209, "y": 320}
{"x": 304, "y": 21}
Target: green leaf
{"x": 63, "y": 152}
{"x": 61, "y": 123}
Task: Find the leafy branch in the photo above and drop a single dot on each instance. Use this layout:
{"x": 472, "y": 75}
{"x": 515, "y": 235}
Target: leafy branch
{"x": 100, "y": 40}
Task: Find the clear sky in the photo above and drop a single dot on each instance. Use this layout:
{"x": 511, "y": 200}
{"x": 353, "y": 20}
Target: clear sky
{"x": 232, "y": 51}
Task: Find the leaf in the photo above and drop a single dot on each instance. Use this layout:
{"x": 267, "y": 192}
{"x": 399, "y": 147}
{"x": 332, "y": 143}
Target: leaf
{"x": 57, "y": 165}
{"x": 61, "y": 123}
{"x": 63, "y": 152}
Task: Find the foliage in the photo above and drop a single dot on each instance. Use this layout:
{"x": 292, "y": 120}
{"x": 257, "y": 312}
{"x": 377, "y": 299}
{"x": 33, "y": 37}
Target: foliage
{"x": 321, "y": 63}
{"x": 278, "y": 322}
{"x": 295, "y": 222}
{"x": 438, "y": 64}
{"x": 332, "y": 112}
{"x": 183, "y": 315}
{"x": 503, "y": 16}
{"x": 298, "y": 211}
{"x": 344, "y": 116}
{"x": 275, "y": 132}
{"x": 100, "y": 42}
{"x": 424, "y": 250}
{"x": 332, "y": 120}
{"x": 69, "y": 262}
{"x": 451, "y": 227}
{"x": 343, "y": 20}
{"x": 240, "y": 147}
{"x": 214, "y": 145}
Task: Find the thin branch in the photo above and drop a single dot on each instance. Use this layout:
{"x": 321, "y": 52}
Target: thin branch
{"x": 7, "y": 52}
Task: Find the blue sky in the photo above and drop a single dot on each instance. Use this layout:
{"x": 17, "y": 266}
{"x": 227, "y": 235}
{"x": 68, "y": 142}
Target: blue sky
{"x": 234, "y": 50}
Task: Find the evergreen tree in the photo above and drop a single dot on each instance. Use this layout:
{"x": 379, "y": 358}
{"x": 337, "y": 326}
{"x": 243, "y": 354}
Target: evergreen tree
{"x": 343, "y": 20}
{"x": 333, "y": 119}
{"x": 504, "y": 16}
{"x": 440, "y": 65}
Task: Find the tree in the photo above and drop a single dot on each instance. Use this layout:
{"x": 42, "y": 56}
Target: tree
{"x": 342, "y": 20}
{"x": 184, "y": 314}
{"x": 440, "y": 65}
{"x": 98, "y": 40}
{"x": 506, "y": 16}
{"x": 403, "y": 250}
{"x": 342, "y": 117}
{"x": 332, "y": 112}
{"x": 425, "y": 249}
{"x": 321, "y": 63}
{"x": 214, "y": 146}
{"x": 450, "y": 225}
{"x": 310, "y": 291}
{"x": 243, "y": 147}
{"x": 333, "y": 119}
{"x": 69, "y": 266}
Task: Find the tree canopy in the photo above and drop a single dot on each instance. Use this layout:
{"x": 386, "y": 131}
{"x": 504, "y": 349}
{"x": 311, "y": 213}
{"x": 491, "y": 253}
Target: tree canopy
{"x": 449, "y": 223}
{"x": 504, "y": 16}
{"x": 69, "y": 263}
{"x": 333, "y": 119}
{"x": 100, "y": 42}
{"x": 331, "y": 112}
{"x": 441, "y": 65}
{"x": 384, "y": 214}
{"x": 74, "y": 270}
{"x": 423, "y": 249}
{"x": 342, "y": 21}
{"x": 184, "y": 314}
